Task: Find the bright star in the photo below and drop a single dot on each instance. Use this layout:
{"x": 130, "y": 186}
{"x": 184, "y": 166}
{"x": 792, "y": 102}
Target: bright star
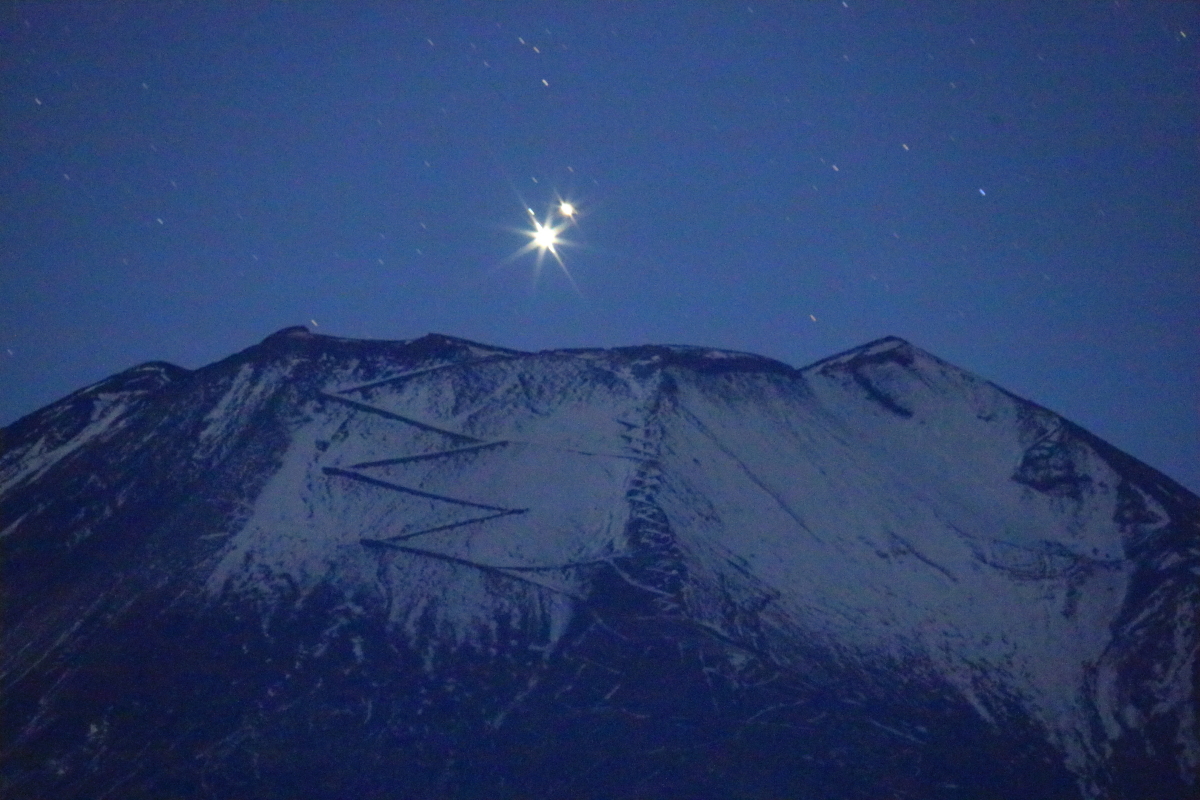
{"x": 566, "y": 209}
{"x": 546, "y": 237}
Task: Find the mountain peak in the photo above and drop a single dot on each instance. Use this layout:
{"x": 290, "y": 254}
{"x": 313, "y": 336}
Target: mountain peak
{"x": 291, "y": 332}
{"x": 658, "y": 571}
{"x": 886, "y": 348}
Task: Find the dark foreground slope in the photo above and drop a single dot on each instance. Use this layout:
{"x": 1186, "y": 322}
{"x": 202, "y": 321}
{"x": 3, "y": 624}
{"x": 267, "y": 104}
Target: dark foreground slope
{"x": 326, "y": 568}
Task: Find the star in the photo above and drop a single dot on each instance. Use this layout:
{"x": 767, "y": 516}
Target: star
{"x": 546, "y": 237}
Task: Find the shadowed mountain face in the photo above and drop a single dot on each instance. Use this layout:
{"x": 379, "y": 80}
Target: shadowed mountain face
{"x": 326, "y": 568}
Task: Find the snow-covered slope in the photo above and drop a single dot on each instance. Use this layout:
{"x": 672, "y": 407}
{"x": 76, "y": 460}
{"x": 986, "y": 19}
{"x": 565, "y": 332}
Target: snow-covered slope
{"x": 327, "y": 567}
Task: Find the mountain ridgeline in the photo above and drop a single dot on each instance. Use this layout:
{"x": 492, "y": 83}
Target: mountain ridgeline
{"x": 327, "y": 568}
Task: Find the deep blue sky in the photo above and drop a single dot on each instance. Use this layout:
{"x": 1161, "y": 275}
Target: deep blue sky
{"x": 1011, "y": 186}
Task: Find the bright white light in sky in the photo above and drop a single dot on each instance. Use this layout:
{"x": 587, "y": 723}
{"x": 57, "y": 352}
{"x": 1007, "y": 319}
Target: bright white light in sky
{"x": 545, "y": 237}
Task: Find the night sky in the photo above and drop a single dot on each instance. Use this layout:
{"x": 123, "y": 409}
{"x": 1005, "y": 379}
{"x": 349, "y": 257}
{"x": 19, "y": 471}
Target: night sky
{"x": 1011, "y": 186}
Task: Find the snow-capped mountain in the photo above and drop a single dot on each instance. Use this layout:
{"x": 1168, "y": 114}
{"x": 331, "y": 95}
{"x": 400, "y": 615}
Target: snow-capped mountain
{"x": 328, "y": 568}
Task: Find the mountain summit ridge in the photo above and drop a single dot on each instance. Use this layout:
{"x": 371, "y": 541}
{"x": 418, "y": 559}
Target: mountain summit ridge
{"x": 436, "y": 568}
